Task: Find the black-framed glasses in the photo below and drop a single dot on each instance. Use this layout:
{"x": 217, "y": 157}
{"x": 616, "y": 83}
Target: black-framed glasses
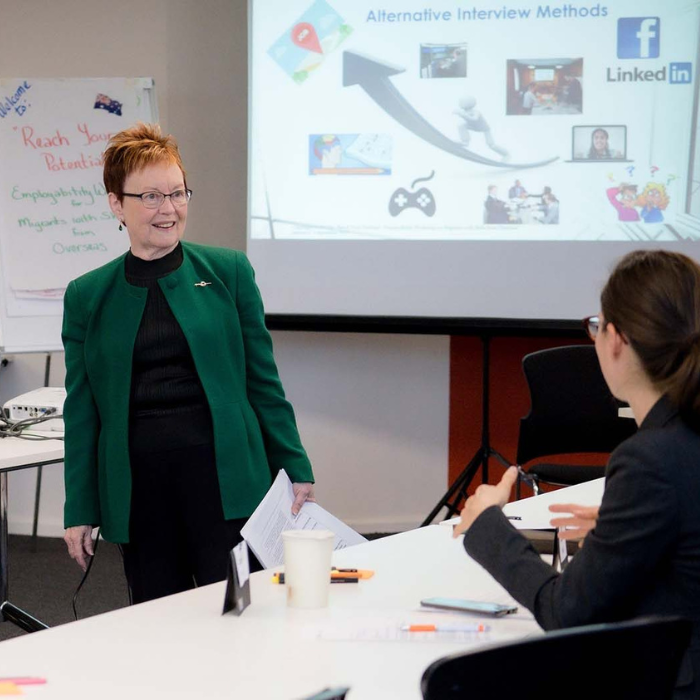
{"x": 154, "y": 199}
{"x": 592, "y": 325}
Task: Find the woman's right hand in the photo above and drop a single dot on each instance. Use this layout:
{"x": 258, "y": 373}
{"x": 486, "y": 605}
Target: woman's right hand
{"x": 80, "y": 545}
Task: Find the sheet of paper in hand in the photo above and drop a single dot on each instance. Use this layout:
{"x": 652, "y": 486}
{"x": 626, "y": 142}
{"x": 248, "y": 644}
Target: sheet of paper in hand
{"x": 263, "y": 531}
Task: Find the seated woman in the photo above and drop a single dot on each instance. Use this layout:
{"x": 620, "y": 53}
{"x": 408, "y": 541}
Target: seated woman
{"x": 643, "y": 555}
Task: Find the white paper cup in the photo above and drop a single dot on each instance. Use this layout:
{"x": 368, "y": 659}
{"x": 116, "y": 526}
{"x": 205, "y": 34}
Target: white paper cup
{"x": 307, "y": 567}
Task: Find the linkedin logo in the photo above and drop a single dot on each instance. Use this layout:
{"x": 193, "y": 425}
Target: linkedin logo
{"x": 638, "y": 37}
{"x": 676, "y": 74}
{"x": 680, "y": 73}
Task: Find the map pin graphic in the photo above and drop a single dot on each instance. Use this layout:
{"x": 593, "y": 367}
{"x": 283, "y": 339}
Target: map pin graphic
{"x": 305, "y": 37}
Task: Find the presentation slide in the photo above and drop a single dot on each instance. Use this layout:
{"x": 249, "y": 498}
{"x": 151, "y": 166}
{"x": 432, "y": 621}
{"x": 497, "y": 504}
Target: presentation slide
{"x": 477, "y": 160}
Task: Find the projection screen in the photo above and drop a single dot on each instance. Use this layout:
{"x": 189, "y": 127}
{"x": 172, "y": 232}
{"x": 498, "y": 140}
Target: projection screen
{"x": 467, "y": 160}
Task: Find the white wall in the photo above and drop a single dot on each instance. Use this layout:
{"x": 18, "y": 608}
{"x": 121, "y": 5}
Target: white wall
{"x": 372, "y": 410}
{"x": 373, "y": 414}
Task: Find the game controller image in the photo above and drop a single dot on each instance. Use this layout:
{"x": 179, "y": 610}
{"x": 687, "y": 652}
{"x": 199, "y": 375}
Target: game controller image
{"x": 422, "y": 199}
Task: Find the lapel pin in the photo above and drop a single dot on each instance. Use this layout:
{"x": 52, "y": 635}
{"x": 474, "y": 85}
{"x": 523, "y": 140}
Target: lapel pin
{"x": 202, "y": 284}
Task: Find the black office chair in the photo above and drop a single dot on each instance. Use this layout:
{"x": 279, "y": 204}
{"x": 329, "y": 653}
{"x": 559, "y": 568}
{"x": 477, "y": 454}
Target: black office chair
{"x": 571, "y": 411}
{"x": 625, "y": 661}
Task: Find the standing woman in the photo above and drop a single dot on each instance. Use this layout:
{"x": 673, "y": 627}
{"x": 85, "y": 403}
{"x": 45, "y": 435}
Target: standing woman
{"x": 176, "y": 420}
{"x": 643, "y": 555}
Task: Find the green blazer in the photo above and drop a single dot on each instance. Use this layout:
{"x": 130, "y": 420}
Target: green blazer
{"x": 255, "y": 433}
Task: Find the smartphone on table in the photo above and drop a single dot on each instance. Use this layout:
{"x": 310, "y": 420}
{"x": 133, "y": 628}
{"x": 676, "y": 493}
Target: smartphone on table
{"x": 473, "y": 606}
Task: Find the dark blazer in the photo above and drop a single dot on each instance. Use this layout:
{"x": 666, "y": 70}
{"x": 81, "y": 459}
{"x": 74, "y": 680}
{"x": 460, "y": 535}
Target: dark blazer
{"x": 642, "y": 558}
{"x": 255, "y": 432}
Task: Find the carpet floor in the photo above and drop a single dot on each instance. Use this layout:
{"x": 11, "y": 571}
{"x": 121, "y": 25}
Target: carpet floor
{"x": 43, "y": 580}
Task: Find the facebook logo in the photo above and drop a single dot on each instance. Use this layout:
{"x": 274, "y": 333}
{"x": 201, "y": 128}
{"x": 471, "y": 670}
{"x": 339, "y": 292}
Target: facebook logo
{"x": 680, "y": 73}
{"x": 638, "y": 37}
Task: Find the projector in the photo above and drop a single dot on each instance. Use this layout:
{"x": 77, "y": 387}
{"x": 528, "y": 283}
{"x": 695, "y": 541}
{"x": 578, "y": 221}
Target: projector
{"x": 37, "y": 403}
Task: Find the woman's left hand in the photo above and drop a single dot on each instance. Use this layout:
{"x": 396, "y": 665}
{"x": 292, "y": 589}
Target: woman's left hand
{"x": 303, "y": 491}
{"x": 581, "y": 520}
{"x": 484, "y": 497}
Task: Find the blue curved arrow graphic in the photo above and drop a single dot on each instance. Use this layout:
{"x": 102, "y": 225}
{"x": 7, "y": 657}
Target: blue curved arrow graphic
{"x": 373, "y": 77}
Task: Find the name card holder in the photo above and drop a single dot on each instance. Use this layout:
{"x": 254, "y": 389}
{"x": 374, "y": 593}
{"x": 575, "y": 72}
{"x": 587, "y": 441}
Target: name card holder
{"x": 237, "y": 597}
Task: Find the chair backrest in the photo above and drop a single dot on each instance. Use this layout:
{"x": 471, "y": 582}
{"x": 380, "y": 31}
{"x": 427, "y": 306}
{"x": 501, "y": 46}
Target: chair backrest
{"x": 571, "y": 407}
{"x": 625, "y": 661}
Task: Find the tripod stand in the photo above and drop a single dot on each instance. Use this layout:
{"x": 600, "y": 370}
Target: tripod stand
{"x": 458, "y": 491}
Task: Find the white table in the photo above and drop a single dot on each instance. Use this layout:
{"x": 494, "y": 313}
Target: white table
{"x": 182, "y": 647}
{"x": 16, "y": 453}
{"x": 21, "y": 454}
{"x": 533, "y": 513}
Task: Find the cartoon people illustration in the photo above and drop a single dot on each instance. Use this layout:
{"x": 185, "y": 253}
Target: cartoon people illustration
{"x": 624, "y": 199}
{"x": 473, "y": 120}
{"x": 653, "y": 200}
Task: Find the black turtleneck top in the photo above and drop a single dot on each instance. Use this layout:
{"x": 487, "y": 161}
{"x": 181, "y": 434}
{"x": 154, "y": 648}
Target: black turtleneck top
{"x": 168, "y": 407}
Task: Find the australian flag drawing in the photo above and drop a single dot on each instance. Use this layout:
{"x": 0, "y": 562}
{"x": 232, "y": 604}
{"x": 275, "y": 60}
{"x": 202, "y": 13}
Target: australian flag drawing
{"x": 106, "y": 103}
